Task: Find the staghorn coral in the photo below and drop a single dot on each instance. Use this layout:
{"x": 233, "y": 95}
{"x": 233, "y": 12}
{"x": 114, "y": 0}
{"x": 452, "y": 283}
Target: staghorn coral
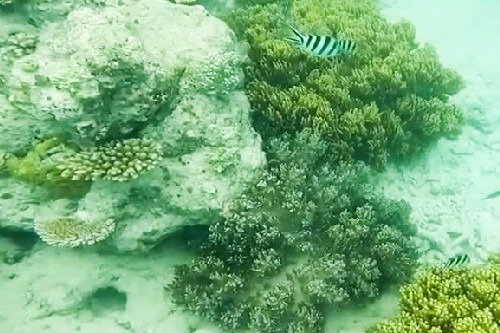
{"x": 119, "y": 161}
{"x": 449, "y": 300}
{"x": 73, "y": 232}
{"x": 306, "y": 237}
{"x": 389, "y": 100}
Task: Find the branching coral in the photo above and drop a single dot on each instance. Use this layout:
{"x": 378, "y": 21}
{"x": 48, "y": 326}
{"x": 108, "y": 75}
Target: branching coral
{"x": 120, "y": 161}
{"x": 72, "y": 232}
{"x": 306, "y": 237}
{"x": 390, "y": 99}
{"x": 52, "y": 163}
{"x": 449, "y": 300}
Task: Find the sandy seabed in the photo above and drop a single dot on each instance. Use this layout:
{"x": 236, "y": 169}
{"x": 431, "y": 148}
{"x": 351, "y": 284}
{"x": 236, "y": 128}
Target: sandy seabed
{"x": 447, "y": 189}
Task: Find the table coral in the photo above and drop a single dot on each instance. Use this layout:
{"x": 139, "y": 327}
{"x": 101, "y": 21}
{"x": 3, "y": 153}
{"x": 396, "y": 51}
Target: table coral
{"x": 390, "y": 99}
{"x": 72, "y": 232}
{"x": 462, "y": 300}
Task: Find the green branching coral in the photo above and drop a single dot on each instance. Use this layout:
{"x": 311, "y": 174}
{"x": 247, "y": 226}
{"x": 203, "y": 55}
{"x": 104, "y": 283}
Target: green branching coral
{"x": 449, "y": 301}
{"x": 73, "y": 232}
{"x": 390, "y": 99}
{"x": 120, "y": 161}
{"x": 36, "y": 168}
{"x": 305, "y": 238}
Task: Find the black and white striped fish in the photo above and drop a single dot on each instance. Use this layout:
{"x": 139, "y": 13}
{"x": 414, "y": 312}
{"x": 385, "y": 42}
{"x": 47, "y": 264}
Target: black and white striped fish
{"x": 322, "y": 46}
{"x": 457, "y": 260}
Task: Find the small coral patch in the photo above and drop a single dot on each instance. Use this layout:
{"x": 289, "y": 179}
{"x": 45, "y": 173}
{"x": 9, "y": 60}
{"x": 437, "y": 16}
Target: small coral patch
{"x": 117, "y": 161}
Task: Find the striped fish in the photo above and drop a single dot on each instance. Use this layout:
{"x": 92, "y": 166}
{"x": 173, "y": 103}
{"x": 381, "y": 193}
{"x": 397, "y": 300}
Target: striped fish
{"x": 322, "y": 46}
{"x": 457, "y": 260}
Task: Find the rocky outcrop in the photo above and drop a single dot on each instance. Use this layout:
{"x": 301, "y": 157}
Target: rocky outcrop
{"x": 146, "y": 69}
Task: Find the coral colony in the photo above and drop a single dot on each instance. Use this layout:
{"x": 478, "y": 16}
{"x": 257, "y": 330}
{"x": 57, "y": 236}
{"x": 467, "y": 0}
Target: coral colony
{"x": 388, "y": 100}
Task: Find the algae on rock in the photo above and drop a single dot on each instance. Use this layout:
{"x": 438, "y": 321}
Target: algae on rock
{"x": 95, "y": 85}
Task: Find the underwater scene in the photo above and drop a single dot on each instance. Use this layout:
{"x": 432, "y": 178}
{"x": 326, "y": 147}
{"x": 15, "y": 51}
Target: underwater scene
{"x": 249, "y": 166}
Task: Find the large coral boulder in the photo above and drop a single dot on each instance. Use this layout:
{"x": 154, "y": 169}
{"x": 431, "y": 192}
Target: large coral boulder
{"x": 139, "y": 69}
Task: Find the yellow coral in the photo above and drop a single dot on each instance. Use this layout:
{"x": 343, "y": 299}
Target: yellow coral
{"x": 400, "y": 87}
{"x": 449, "y": 300}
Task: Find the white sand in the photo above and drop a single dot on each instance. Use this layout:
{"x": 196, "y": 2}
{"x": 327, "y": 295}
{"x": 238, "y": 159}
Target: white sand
{"x": 46, "y": 291}
{"x": 447, "y": 187}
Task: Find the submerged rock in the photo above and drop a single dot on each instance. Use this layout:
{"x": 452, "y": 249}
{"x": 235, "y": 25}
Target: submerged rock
{"x": 139, "y": 69}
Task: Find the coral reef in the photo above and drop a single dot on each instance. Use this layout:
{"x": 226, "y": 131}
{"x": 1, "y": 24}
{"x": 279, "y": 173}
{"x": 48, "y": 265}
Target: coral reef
{"x": 31, "y": 167}
{"x": 73, "y": 232}
{"x": 455, "y": 300}
{"x": 51, "y": 162}
{"x": 389, "y": 100}
{"x": 306, "y": 237}
{"x": 91, "y": 86}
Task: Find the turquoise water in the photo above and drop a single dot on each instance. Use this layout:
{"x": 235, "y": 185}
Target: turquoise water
{"x": 183, "y": 167}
